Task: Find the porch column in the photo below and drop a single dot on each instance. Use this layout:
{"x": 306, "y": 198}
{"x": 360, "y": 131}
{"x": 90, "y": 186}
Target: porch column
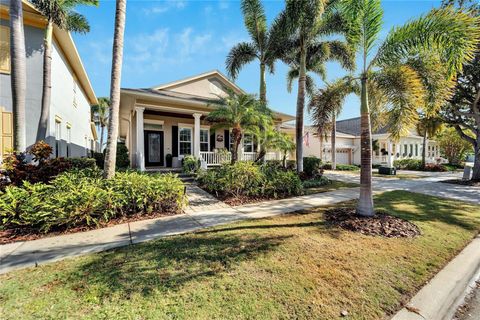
{"x": 196, "y": 135}
{"x": 390, "y": 155}
{"x": 140, "y": 152}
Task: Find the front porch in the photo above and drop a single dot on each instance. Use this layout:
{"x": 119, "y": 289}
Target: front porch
{"x": 386, "y": 152}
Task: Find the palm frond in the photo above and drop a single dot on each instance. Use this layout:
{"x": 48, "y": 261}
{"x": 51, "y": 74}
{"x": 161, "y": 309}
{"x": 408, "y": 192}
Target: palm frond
{"x": 240, "y": 55}
{"x": 292, "y": 74}
{"x": 77, "y": 23}
{"x": 255, "y": 21}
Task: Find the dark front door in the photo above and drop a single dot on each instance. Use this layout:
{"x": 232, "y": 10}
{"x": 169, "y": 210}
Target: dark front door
{"x": 154, "y": 148}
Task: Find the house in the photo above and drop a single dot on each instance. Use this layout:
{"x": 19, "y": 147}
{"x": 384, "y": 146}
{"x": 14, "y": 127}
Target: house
{"x": 170, "y": 119}
{"x": 348, "y": 144}
{"x": 70, "y": 130}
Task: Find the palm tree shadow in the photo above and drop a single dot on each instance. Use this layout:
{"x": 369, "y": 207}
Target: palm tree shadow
{"x": 168, "y": 264}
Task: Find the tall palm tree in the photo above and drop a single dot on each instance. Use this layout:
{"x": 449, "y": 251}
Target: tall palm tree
{"x": 428, "y": 127}
{"x": 114, "y": 112}
{"x": 450, "y": 34}
{"x": 100, "y": 116}
{"x": 239, "y": 112}
{"x": 262, "y": 46}
{"x": 60, "y": 13}
{"x": 18, "y": 74}
{"x": 325, "y": 106}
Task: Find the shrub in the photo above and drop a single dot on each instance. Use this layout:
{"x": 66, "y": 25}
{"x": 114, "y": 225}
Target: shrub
{"x": 248, "y": 179}
{"x": 318, "y": 182}
{"x": 82, "y": 163}
{"x": 312, "y": 167}
{"x": 340, "y": 167}
{"x": 122, "y": 161}
{"x": 190, "y": 164}
{"x": 415, "y": 164}
{"x": 84, "y": 198}
{"x": 99, "y": 159}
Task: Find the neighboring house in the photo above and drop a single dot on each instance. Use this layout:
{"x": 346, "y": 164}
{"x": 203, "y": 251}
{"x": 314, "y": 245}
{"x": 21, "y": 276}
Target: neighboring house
{"x": 70, "y": 130}
{"x": 348, "y": 144}
{"x": 170, "y": 119}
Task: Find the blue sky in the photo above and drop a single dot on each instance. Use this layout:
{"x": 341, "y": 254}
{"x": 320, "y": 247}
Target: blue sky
{"x": 169, "y": 40}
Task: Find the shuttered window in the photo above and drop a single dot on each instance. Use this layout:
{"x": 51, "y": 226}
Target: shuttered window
{"x": 4, "y": 49}
{"x": 6, "y": 132}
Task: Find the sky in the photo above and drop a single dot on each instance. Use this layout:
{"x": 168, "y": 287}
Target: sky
{"x": 170, "y": 40}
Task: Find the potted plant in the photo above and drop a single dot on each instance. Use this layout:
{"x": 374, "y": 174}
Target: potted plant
{"x": 168, "y": 159}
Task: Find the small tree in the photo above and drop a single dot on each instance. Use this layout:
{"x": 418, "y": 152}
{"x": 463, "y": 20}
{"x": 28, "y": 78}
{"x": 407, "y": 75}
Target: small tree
{"x": 100, "y": 116}
{"x": 453, "y": 146}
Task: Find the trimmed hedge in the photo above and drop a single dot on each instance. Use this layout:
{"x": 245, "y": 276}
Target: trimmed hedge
{"x": 83, "y": 198}
{"x": 416, "y": 165}
{"x": 341, "y": 167}
{"x": 247, "y": 179}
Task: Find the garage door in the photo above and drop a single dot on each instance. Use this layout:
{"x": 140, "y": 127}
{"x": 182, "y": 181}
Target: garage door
{"x": 343, "y": 156}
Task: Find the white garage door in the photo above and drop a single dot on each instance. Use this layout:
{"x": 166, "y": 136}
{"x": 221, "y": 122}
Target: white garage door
{"x": 343, "y": 156}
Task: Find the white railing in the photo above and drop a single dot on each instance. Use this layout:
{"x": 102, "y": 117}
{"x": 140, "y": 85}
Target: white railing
{"x": 216, "y": 158}
{"x": 248, "y": 156}
{"x": 272, "y": 156}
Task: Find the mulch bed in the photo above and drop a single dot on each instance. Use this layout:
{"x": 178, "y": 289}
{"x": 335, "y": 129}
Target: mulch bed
{"x": 14, "y": 235}
{"x": 382, "y": 224}
{"x": 469, "y": 183}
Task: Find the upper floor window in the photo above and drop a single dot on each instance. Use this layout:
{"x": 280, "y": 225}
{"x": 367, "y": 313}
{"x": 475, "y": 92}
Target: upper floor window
{"x": 4, "y": 49}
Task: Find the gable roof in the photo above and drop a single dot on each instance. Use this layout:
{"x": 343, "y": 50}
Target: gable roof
{"x": 32, "y": 16}
{"x": 198, "y": 77}
{"x": 352, "y": 126}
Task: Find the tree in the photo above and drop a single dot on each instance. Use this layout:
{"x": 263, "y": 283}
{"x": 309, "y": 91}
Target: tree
{"x": 325, "y": 105}
{"x": 261, "y": 47}
{"x": 463, "y": 110}
{"x": 428, "y": 127}
{"x": 18, "y": 74}
{"x": 299, "y": 24}
{"x": 100, "y": 116}
{"x": 62, "y": 14}
{"x": 453, "y": 146}
{"x": 449, "y": 34}
{"x": 114, "y": 112}
{"x": 285, "y": 144}
{"x": 239, "y": 112}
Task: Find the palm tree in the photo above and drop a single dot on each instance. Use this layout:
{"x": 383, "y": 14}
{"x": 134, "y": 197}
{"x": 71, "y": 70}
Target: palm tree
{"x": 285, "y": 144}
{"x": 114, "y": 112}
{"x": 325, "y": 106}
{"x": 450, "y": 34}
{"x": 428, "y": 127}
{"x": 62, "y": 14}
{"x": 261, "y": 47}
{"x": 301, "y": 25}
{"x": 18, "y": 74}
{"x": 239, "y": 112}
{"x": 100, "y": 116}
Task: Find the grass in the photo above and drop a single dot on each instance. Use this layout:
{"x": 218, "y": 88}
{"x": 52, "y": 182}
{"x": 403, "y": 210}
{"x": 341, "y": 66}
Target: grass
{"x": 401, "y": 176}
{"x": 334, "y": 185}
{"x": 291, "y": 266}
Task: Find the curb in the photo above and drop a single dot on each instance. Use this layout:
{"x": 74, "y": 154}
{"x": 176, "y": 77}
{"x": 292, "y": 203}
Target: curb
{"x": 441, "y": 296}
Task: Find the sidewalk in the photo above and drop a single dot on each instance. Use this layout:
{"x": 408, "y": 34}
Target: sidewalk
{"x": 31, "y": 253}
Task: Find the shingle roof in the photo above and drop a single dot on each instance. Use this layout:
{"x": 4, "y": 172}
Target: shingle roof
{"x": 170, "y": 94}
{"x": 352, "y": 126}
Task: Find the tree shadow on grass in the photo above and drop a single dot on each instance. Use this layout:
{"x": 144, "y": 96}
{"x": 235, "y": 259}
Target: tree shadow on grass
{"x": 167, "y": 264}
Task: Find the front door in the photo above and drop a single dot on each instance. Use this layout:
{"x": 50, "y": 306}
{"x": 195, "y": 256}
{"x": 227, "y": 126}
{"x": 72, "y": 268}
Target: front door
{"x": 154, "y": 148}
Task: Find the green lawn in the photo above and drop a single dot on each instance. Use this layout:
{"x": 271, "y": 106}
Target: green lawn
{"x": 290, "y": 266}
{"x": 334, "y": 185}
{"x": 401, "y": 176}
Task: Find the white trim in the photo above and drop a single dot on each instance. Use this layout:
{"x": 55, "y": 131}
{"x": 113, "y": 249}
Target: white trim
{"x": 153, "y": 121}
{"x": 180, "y": 127}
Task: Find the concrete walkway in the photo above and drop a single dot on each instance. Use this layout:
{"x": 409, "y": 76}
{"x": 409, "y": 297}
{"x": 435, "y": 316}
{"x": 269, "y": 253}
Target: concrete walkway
{"x": 31, "y": 253}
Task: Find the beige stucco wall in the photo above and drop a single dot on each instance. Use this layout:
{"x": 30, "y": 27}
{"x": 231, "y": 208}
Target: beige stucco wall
{"x": 209, "y": 87}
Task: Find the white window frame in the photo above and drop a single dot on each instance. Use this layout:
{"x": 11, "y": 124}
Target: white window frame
{"x": 189, "y": 127}
{"x": 208, "y": 139}
{"x": 251, "y": 143}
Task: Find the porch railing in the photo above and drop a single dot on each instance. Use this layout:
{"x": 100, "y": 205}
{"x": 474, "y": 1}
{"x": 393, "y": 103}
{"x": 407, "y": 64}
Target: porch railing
{"x": 218, "y": 158}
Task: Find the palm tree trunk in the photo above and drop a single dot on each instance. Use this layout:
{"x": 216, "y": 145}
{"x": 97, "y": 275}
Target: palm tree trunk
{"x": 334, "y": 147}
{"x": 476, "y": 161}
{"x": 263, "y": 84}
{"x": 300, "y": 109}
{"x": 365, "y": 202}
{"x": 117, "y": 59}
{"x": 18, "y": 74}
{"x": 102, "y": 132}
{"x": 424, "y": 149}
{"x": 237, "y": 137}
{"x": 47, "y": 83}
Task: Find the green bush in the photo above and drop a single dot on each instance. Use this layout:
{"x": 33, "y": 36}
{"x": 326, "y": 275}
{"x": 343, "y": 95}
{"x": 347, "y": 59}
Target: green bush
{"x": 83, "y": 198}
{"x": 312, "y": 166}
{"x": 99, "y": 159}
{"x": 190, "y": 164}
{"x": 340, "y": 167}
{"x": 122, "y": 161}
{"x": 416, "y": 164}
{"x": 82, "y": 163}
{"x": 248, "y": 179}
{"x": 314, "y": 183}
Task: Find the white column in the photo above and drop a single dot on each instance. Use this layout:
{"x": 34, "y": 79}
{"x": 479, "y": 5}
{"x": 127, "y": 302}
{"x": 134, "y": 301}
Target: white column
{"x": 140, "y": 150}
{"x": 196, "y": 135}
{"x": 390, "y": 155}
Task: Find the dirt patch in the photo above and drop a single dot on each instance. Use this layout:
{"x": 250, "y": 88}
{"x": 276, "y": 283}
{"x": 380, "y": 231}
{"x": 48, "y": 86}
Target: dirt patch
{"x": 469, "y": 183}
{"x": 13, "y": 235}
{"x": 382, "y": 224}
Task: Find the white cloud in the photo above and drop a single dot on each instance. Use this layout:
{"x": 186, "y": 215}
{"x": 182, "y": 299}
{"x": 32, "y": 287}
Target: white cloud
{"x": 166, "y": 6}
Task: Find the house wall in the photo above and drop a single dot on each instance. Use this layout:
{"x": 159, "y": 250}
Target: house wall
{"x": 209, "y": 88}
{"x": 62, "y": 97}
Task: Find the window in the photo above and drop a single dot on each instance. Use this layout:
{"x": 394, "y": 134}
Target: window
{"x": 4, "y": 49}
{"x": 69, "y": 139}
{"x": 58, "y": 137}
{"x": 405, "y": 150}
{"x": 411, "y": 150}
{"x": 248, "y": 143}
{"x": 416, "y": 150}
{"x": 185, "y": 141}
{"x": 74, "y": 93}
{"x": 204, "y": 136}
